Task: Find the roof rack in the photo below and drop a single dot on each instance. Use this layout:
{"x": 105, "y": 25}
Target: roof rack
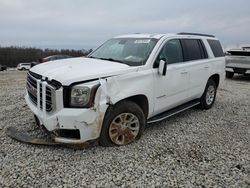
{"x": 197, "y": 34}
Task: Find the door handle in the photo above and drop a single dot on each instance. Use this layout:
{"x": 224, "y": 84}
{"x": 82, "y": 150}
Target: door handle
{"x": 206, "y": 67}
{"x": 184, "y": 72}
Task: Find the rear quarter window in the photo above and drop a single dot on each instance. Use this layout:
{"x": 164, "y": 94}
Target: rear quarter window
{"x": 216, "y": 48}
{"x": 193, "y": 49}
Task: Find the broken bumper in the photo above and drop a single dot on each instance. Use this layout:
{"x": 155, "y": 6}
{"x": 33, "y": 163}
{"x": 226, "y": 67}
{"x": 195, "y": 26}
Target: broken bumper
{"x": 69, "y": 125}
{"x": 26, "y": 138}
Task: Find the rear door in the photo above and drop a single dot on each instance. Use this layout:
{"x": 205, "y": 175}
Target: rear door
{"x": 196, "y": 57}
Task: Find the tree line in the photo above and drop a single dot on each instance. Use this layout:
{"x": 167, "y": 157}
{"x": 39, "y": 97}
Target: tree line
{"x": 12, "y": 56}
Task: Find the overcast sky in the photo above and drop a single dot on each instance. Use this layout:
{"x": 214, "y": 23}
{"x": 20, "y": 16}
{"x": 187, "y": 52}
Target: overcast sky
{"x": 85, "y": 24}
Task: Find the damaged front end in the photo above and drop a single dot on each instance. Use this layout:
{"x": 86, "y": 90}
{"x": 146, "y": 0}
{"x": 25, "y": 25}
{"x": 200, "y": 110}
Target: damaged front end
{"x": 49, "y": 139}
{"x": 70, "y": 125}
{"x": 26, "y": 138}
{"x": 74, "y": 127}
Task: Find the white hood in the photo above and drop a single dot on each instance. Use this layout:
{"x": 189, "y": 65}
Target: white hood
{"x": 68, "y": 71}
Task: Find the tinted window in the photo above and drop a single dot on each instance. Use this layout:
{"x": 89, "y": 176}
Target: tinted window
{"x": 193, "y": 49}
{"x": 171, "y": 52}
{"x": 216, "y": 48}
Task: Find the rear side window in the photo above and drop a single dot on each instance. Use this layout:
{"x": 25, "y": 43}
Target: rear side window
{"x": 216, "y": 48}
{"x": 193, "y": 49}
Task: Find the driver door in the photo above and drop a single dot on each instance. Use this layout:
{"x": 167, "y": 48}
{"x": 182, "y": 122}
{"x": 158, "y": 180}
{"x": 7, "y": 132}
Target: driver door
{"x": 171, "y": 89}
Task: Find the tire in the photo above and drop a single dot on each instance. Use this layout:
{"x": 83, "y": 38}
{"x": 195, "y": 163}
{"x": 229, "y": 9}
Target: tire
{"x": 209, "y": 95}
{"x": 22, "y": 69}
{"x": 229, "y": 74}
{"x": 117, "y": 128}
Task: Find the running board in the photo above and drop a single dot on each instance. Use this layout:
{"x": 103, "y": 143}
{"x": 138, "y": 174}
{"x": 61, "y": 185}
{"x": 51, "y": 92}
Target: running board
{"x": 173, "y": 111}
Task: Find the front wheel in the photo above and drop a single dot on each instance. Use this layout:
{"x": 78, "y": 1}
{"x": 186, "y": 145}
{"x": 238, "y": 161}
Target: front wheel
{"x": 209, "y": 95}
{"x": 122, "y": 124}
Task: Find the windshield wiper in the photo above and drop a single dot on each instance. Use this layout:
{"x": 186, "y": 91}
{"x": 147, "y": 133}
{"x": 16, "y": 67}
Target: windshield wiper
{"x": 107, "y": 59}
{"x": 111, "y": 59}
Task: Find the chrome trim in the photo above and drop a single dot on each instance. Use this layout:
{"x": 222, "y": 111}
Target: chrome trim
{"x": 44, "y": 99}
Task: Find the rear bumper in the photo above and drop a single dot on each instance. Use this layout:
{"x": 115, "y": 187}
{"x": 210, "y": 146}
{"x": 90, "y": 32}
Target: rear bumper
{"x": 238, "y": 62}
{"x": 238, "y": 70}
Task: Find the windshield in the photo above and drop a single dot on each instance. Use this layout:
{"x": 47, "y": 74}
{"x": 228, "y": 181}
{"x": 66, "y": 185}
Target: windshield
{"x": 130, "y": 51}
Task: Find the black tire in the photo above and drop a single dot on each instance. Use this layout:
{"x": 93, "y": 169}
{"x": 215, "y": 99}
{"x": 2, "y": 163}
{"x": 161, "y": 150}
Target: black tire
{"x": 113, "y": 112}
{"x": 229, "y": 74}
{"x": 204, "y": 103}
{"x": 22, "y": 69}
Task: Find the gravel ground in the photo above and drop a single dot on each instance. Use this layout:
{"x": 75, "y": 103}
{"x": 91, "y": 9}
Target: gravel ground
{"x": 192, "y": 149}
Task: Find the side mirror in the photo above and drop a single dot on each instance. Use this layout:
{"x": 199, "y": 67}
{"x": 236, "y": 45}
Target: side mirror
{"x": 162, "y": 67}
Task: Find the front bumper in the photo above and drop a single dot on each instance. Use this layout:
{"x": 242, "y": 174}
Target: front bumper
{"x": 87, "y": 121}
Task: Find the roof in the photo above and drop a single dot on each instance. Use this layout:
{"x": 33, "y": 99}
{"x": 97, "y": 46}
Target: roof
{"x": 158, "y": 36}
{"x": 139, "y": 35}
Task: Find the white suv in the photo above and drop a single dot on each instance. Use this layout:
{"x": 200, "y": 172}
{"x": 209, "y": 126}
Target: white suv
{"x": 124, "y": 84}
{"x": 23, "y": 66}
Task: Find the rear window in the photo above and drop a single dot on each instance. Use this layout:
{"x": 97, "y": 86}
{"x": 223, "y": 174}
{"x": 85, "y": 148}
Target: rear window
{"x": 216, "y": 48}
{"x": 193, "y": 49}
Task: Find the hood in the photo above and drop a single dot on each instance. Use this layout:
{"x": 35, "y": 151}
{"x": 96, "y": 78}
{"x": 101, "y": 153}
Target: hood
{"x": 68, "y": 71}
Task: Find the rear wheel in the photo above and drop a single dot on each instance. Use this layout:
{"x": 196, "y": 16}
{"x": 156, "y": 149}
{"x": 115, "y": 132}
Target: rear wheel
{"x": 209, "y": 95}
{"x": 229, "y": 74}
{"x": 122, "y": 124}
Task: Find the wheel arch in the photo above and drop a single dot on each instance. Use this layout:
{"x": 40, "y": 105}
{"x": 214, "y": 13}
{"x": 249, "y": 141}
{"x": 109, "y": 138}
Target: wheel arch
{"x": 215, "y": 78}
{"x": 140, "y": 99}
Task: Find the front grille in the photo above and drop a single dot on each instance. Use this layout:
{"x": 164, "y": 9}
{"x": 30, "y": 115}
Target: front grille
{"x": 33, "y": 86}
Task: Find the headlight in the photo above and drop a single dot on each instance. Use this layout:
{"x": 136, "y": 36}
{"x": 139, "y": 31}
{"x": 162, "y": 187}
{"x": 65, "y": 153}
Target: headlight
{"x": 79, "y": 96}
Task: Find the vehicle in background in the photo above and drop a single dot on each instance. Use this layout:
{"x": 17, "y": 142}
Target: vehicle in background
{"x": 23, "y": 66}
{"x": 3, "y": 67}
{"x": 238, "y": 61}
{"x": 53, "y": 58}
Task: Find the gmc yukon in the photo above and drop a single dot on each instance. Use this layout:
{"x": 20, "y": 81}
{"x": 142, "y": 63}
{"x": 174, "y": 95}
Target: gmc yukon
{"x": 127, "y": 82}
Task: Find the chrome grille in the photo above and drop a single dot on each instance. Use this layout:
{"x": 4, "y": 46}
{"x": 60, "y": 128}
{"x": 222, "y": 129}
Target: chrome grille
{"x": 33, "y": 86}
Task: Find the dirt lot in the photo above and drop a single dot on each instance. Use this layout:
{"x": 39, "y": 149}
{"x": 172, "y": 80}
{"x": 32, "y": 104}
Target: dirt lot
{"x": 192, "y": 149}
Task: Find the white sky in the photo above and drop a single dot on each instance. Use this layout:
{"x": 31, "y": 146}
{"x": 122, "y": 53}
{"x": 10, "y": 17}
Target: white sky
{"x": 86, "y": 24}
